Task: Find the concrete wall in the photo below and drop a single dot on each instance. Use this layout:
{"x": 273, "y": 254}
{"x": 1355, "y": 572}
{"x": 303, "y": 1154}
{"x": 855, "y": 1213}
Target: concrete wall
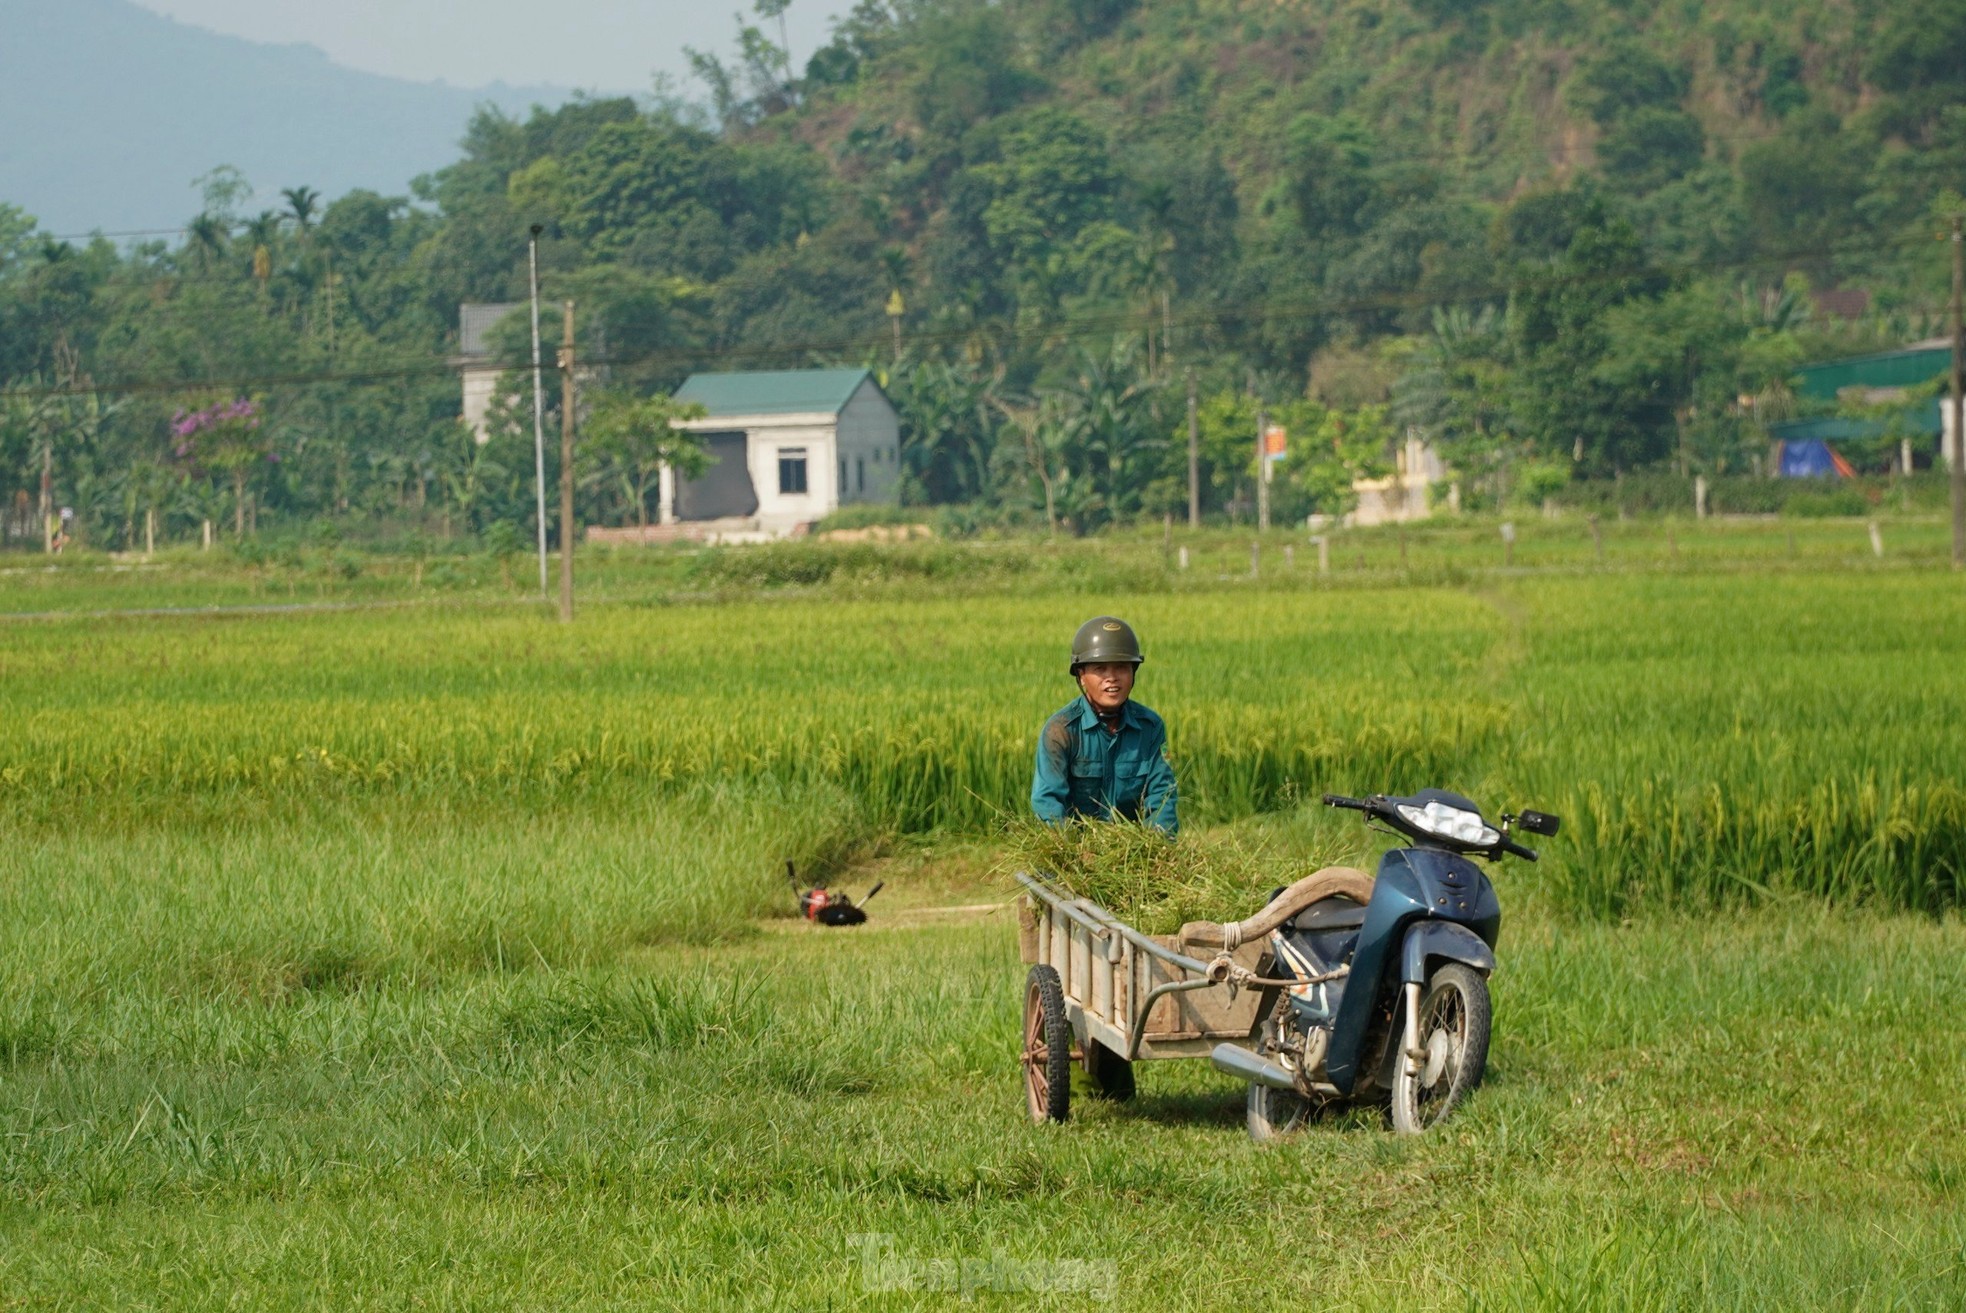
{"x": 869, "y": 448}
{"x": 479, "y": 387}
{"x": 777, "y": 511}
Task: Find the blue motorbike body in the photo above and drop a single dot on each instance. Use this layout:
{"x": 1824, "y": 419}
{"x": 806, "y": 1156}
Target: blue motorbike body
{"x": 1428, "y": 905}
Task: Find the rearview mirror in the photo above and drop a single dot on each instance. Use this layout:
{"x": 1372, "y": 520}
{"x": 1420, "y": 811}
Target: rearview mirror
{"x": 1539, "y": 822}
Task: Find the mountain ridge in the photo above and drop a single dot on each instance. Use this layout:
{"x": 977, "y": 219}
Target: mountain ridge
{"x": 118, "y": 109}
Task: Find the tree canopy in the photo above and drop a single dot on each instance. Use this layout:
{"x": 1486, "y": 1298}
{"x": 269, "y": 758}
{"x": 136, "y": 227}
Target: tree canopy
{"x": 1529, "y": 233}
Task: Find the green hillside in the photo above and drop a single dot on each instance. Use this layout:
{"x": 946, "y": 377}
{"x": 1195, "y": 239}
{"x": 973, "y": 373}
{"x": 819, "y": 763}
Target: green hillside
{"x": 1560, "y": 240}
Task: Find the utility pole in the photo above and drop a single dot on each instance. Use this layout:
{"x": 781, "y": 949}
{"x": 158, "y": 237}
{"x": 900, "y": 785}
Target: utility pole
{"x": 1958, "y": 452}
{"x": 1194, "y": 455}
{"x": 47, "y": 503}
{"x": 566, "y": 470}
{"x": 538, "y": 410}
{"x": 1262, "y": 467}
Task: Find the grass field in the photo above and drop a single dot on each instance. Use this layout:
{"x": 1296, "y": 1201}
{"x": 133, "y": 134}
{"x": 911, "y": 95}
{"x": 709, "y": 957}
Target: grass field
{"x": 436, "y": 955}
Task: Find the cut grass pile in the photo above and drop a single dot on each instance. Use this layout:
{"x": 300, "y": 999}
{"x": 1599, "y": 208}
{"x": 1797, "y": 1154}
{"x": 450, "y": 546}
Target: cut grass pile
{"x": 1157, "y": 886}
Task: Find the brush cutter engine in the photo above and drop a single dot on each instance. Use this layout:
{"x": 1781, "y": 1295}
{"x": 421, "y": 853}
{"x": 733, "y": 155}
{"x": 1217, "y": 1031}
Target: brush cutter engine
{"x": 825, "y": 907}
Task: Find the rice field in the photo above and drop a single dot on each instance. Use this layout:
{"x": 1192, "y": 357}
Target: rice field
{"x": 436, "y": 954}
{"x": 1709, "y": 736}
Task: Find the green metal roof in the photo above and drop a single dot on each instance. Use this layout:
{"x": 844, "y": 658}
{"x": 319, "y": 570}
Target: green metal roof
{"x": 1887, "y": 369}
{"x": 773, "y": 392}
{"x": 1922, "y": 421}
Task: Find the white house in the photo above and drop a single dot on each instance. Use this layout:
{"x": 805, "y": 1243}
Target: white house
{"x": 786, "y": 447}
{"x": 474, "y": 360}
{"x": 1402, "y": 495}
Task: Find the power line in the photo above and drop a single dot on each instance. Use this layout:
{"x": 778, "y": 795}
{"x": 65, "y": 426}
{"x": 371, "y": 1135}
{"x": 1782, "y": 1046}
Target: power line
{"x": 94, "y": 233}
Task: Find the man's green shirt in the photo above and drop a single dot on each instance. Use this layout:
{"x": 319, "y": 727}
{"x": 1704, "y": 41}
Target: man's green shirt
{"x": 1085, "y": 770}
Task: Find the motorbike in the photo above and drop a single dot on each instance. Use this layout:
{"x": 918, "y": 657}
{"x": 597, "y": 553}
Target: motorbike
{"x": 1387, "y": 993}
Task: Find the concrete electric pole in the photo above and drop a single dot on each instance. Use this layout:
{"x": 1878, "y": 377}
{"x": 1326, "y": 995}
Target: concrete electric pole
{"x": 1957, "y": 438}
{"x": 538, "y": 410}
{"x": 566, "y": 470}
{"x": 1194, "y": 455}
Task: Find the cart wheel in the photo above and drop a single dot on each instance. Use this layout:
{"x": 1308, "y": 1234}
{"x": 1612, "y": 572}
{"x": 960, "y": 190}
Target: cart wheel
{"x": 1047, "y": 1047}
{"x": 1112, "y": 1075}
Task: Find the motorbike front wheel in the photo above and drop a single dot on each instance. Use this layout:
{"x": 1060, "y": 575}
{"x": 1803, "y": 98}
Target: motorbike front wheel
{"x": 1454, "y": 1047}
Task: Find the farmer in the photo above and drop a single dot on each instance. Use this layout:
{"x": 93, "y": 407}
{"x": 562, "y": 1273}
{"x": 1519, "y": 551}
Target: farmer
{"x": 1104, "y": 756}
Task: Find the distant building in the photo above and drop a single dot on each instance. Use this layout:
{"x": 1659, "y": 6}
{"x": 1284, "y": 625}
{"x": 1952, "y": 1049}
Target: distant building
{"x": 1403, "y": 494}
{"x": 474, "y": 360}
{"x": 786, "y": 448}
{"x": 1883, "y": 379}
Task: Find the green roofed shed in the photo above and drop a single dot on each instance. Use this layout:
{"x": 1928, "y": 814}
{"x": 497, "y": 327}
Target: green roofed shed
{"x": 774, "y": 392}
{"x": 1907, "y": 368}
{"x": 786, "y": 447}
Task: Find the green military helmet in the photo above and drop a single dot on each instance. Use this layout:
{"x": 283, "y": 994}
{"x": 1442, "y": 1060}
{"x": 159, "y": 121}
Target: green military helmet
{"x": 1104, "y": 640}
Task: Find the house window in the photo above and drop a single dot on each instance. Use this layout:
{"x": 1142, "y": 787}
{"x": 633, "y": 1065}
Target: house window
{"x": 791, "y": 470}
{"x": 860, "y": 471}
{"x": 841, "y": 485}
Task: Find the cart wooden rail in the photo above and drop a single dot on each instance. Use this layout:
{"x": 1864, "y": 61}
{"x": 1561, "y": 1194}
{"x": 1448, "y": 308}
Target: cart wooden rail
{"x": 1106, "y": 995}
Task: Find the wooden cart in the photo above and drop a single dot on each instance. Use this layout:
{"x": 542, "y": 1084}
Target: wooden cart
{"x": 1106, "y": 995}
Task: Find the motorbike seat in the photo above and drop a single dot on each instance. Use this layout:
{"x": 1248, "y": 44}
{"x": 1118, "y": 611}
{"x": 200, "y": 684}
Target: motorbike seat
{"x": 1328, "y": 914}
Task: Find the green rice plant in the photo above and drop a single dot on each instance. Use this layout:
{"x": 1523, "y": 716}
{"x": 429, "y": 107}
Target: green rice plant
{"x": 1815, "y": 705}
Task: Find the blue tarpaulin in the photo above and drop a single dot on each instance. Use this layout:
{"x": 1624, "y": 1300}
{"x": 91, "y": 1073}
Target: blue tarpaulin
{"x": 1812, "y": 458}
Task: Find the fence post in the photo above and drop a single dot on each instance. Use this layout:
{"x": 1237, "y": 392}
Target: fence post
{"x": 1323, "y": 554}
{"x": 1699, "y": 496}
{"x": 1876, "y": 540}
{"x": 1508, "y": 544}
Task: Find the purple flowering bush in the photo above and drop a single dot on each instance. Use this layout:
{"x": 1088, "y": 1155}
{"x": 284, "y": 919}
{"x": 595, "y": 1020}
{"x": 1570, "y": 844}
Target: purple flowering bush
{"x": 223, "y": 439}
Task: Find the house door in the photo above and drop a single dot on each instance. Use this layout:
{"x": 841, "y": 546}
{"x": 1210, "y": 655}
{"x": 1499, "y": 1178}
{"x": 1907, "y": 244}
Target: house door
{"x": 725, "y": 489}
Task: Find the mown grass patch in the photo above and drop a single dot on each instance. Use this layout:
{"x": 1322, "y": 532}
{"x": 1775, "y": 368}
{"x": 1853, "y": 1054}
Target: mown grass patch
{"x": 1679, "y": 1110}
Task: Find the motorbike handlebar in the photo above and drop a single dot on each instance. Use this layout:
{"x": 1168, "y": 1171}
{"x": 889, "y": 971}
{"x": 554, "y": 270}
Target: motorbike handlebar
{"x": 1507, "y": 845}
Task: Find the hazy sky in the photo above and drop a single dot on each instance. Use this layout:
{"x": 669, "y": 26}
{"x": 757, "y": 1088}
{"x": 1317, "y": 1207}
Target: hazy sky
{"x": 598, "y": 45}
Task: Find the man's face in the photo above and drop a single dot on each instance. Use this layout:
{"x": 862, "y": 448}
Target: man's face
{"x": 1107, "y": 685}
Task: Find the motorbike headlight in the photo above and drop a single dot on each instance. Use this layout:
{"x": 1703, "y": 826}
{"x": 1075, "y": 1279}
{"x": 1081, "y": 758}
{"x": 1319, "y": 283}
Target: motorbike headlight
{"x": 1451, "y": 823}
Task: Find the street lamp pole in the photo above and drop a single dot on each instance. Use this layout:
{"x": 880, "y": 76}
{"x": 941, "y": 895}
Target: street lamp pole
{"x": 538, "y": 408}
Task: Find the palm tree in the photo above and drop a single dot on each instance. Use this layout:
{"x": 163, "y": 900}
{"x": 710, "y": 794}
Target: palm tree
{"x": 261, "y": 232}
{"x": 207, "y": 239}
{"x": 301, "y": 204}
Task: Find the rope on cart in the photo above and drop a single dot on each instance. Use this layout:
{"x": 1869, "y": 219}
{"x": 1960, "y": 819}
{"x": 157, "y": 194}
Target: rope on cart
{"x": 1226, "y": 970}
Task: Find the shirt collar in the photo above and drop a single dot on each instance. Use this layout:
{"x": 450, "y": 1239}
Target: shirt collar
{"x": 1089, "y": 717}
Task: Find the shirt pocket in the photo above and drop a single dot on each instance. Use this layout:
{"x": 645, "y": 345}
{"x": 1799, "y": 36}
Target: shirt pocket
{"x": 1129, "y": 780}
{"x": 1086, "y": 789}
